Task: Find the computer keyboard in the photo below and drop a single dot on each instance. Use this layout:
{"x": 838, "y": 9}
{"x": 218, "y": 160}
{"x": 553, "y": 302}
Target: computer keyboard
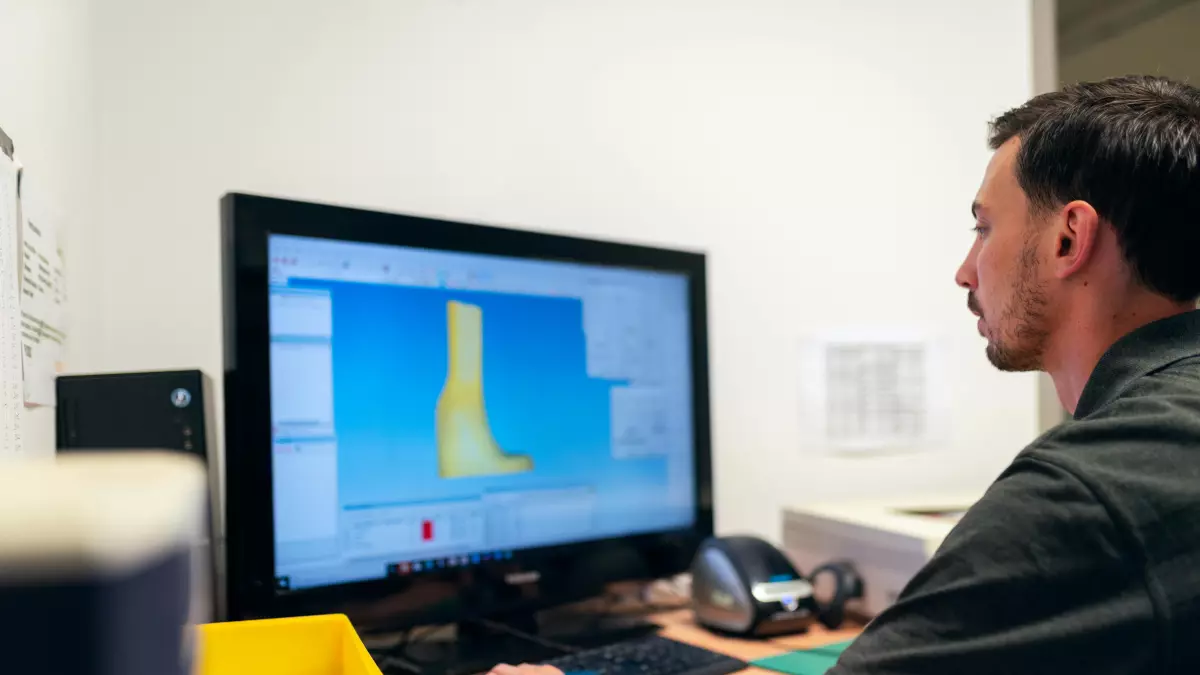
{"x": 648, "y": 656}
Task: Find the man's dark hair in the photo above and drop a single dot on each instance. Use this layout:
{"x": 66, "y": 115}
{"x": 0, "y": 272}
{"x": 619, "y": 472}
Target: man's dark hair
{"x": 1130, "y": 147}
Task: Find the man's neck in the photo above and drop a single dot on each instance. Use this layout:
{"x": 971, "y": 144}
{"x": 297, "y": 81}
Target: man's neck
{"x": 1084, "y": 337}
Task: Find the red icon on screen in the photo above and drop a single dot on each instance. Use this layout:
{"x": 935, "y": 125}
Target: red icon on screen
{"x": 426, "y": 530}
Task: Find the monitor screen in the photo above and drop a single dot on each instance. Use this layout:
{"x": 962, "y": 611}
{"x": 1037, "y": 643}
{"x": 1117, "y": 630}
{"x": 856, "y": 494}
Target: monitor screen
{"x": 434, "y": 409}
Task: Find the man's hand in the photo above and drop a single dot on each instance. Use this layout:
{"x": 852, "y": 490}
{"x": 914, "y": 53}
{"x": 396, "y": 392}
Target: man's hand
{"x": 524, "y": 669}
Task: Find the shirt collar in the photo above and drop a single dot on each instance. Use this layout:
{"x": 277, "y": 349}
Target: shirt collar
{"x": 1141, "y": 352}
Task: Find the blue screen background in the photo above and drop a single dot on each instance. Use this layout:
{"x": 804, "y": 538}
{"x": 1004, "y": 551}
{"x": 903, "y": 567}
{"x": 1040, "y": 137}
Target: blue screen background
{"x": 389, "y": 366}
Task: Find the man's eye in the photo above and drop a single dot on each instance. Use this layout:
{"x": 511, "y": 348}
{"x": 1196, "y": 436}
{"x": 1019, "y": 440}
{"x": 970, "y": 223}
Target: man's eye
{"x": 979, "y": 230}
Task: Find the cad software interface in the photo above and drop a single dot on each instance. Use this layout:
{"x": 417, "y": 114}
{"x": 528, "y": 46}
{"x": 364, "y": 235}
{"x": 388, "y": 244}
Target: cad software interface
{"x": 434, "y": 409}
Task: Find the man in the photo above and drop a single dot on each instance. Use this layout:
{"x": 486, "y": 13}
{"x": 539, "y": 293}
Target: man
{"x": 1084, "y": 555}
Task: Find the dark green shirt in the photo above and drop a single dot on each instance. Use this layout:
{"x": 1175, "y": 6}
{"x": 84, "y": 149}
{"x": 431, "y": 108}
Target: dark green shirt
{"x": 1084, "y": 556}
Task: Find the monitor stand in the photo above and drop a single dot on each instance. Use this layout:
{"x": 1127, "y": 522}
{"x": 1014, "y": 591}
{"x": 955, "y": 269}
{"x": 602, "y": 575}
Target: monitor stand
{"x": 516, "y": 639}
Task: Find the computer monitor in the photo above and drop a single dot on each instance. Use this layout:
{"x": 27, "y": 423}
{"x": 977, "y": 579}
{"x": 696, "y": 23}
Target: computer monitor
{"x": 428, "y": 420}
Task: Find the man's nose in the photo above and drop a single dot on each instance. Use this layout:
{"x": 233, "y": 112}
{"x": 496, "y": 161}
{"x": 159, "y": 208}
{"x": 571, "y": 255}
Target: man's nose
{"x": 966, "y": 276}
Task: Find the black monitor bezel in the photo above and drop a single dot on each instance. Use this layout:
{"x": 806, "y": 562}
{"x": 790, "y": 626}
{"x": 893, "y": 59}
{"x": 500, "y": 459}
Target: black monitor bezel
{"x": 247, "y": 220}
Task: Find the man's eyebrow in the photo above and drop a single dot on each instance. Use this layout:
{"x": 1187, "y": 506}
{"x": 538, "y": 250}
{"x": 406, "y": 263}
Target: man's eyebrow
{"x": 976, "y": 207}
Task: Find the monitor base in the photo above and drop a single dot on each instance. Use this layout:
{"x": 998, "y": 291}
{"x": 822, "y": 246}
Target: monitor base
{"x": 512, "y": 639}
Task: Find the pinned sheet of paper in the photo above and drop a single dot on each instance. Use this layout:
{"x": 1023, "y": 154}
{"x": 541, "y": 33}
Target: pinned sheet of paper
{"x": 872, "y": 390}
{"x": 43, "y": 297}
{"x": 11, "y": 396}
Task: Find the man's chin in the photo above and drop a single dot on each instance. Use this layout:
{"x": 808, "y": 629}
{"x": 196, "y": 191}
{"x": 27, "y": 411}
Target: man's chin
{"x": 1009, "y": 361}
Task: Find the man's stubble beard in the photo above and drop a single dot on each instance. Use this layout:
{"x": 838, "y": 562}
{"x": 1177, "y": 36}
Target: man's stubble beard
{"x": 1021, "y": 348}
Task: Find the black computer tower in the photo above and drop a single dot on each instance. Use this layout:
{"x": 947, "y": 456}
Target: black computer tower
{"x": 169, "y": 410}
{"x": 165, "y": 410}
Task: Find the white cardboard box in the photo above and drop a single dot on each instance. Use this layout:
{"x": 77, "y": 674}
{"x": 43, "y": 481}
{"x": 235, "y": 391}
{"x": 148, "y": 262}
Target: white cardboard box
{"x": 887, "y": 540}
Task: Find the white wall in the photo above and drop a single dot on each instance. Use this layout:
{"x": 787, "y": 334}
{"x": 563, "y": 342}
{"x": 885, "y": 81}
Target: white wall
{"x": 1044, "y": 50}
{"x": 1165, "y": 45}
{"x": 45, "y": 106}
{"x": 1044, "y": 44}
{"x": 823, "y": 153}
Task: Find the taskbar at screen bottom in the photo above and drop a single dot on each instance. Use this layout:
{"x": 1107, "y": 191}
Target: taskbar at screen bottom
{"x": 404, "y": 568}
{"x": 317, "y": 573}
{"x": 366, "y": 552}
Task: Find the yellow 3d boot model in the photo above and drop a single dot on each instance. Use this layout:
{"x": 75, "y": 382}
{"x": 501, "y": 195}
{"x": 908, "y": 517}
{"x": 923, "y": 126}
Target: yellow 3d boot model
{"x": 464, "y": 439}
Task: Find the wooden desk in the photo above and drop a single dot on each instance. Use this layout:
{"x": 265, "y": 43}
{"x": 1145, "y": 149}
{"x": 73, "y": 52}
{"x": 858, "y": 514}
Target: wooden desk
{"x": 680, "y": 625}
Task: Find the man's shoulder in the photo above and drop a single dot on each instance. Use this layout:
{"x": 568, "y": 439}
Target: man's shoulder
{"x": 1157, "y": 411}
{"x": 1139, "y": 454}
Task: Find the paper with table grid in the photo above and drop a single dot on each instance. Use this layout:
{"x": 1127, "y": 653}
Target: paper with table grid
{"x": 875, "y": 393}
{"x": 873, "y": 390}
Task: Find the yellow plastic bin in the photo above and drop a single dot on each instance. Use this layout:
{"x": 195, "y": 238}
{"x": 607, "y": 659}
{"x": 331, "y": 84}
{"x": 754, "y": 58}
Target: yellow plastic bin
{"x": 310, "y": 645}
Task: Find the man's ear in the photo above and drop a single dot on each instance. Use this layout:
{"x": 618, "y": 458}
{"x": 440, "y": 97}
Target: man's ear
{"x": 1076, "y": 228}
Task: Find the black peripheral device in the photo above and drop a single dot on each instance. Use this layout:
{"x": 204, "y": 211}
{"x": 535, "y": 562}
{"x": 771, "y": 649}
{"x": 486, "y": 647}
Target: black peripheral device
{"x": 746, "y": 586}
